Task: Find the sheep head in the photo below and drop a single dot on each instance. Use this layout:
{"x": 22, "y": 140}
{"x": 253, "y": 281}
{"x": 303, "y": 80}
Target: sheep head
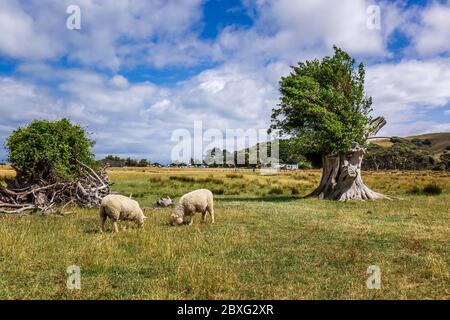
{"x": 140, "y": 219}
{"x": 176, "y": 218}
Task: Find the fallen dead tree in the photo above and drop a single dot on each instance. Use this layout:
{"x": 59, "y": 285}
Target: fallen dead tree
{"x": 53, "y": 196}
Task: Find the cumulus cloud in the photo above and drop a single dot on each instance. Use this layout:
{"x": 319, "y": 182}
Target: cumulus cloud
{"x": 37, "y": 30}
{"x": 430, "y": 31}
{"x": 406, "y": 91}
{"x": 288, "y": 31}
{"x": 19, "y": 36}
{"x": 137, "y": 118}
{"x": 21, "y": 101}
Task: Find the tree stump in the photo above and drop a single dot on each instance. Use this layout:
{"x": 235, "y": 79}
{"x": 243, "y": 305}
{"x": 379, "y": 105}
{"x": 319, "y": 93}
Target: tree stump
{"x": 341, "y": 174}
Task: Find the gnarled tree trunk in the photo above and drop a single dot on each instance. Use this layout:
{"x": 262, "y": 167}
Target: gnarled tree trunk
{"x": 341, "y": 175}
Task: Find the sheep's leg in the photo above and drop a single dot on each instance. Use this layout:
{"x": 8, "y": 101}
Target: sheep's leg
{"x": 115, "y": 226}
{"x": 191, "y": 222}
{"x": 211, "y": 213}
{"x": 203, "y": 217}
{"x": 103, "y": 217}
{"x": 102, "y": 223}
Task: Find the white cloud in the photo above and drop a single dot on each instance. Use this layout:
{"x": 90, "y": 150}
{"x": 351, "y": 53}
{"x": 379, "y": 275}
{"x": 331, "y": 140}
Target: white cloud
{"x": 36, "y": 29}
{"x": 20, "y": 102}
{"x": 430, "y": 35}
{"x": 19, "y": 36}
{"x": 137, "y": 118}
{"x": 161, "y": 33}
{"x": 405, "y": 92}
{"x": 289, "y": 31}
{"x": 120, "y": 82}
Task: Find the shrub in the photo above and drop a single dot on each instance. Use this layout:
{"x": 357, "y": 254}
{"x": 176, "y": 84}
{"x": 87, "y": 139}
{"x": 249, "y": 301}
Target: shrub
{"x": 432, "y": 189}
{"x": 276, "y": 190}
{"x": 49, "y": 150}
{"x": 294, "y": 191}
{"x": 414, "y": 190}
{"x": 397, "y": 140}
{"x": 210, "y": 180}
{"x": 305, "y": 165}
{"x": 155, "y": 179}
{"x": 182, "y": 179}
{"x": 218, "y": 191}
{"x": 445, "y": 160}
{"x": 234, "y": 175}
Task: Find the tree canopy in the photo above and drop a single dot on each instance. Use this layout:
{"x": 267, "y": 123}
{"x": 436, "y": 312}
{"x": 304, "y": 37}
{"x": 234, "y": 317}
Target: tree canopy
{"x": 49, "y": 149}
{"x": 323, "y": 104}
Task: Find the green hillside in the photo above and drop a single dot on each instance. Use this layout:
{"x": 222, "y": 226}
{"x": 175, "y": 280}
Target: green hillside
{"x": 435, "y": 143}
{"x": 439, "y": 141}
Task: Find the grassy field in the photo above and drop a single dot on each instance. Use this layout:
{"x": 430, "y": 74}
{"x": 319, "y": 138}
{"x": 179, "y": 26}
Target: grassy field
{"x": 267, "y": 243}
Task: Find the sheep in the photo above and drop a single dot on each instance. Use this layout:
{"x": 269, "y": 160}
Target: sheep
{"x": 196, "y": 201}
{"x": 118, "y": 207}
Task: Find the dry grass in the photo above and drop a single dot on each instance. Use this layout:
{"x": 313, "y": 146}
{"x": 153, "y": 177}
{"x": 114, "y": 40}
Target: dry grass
{"x": 264, "y": 245}
{"x": 6, "y": 172}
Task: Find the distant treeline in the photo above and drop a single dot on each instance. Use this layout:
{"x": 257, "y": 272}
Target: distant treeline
{"x": 115, "y": 161}
{"x": 398, "y": 154}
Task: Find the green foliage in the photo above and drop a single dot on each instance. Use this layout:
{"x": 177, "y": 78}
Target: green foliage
{"x": 49, "y": 150}
{"x": 323, "y": 104}
{"x": 143, "y": 163}
{"x": 115, "y": 161}
{"x": 432, "y": 189}
{"x": 275, "y": 191}
{"x": 421, "y": 143}
{"x": 289, "y": 152}
{"x": 303, "y": 164}
{"x": 445, "y": 160}
{"x": 402, "y": 155}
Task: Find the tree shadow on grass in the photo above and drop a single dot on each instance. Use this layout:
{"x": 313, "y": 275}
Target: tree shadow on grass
{"x": 260, "y": 199}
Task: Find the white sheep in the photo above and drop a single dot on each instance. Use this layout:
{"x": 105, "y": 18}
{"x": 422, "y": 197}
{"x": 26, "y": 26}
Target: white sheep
{"x": 196, "y": 201}
{"x": 118, "y": 207}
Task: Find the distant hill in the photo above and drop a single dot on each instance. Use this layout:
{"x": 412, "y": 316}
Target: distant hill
{"x": 435, "y": 143}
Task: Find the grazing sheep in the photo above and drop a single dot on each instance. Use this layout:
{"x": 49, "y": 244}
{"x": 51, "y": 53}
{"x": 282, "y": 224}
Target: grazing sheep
{"x": 196, "y": 201}
{"x": 118, "y": 207}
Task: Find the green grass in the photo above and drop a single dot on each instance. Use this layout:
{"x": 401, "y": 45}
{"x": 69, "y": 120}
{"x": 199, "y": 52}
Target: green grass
{"x": 264, "y": 245}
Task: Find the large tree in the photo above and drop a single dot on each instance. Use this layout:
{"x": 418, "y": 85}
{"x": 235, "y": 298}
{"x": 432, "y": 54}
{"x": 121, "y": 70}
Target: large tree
{"x": 323, "y": 106}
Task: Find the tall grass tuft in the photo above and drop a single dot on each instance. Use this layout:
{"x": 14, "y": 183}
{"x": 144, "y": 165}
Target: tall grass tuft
{"x": 234, "y": 175}
{"x": 182, "y": 179}
{"x": 432, "y": 189}
{"x": 275, "y": 191}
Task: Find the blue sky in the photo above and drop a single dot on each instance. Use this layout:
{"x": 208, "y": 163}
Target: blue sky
{"x": 139, "y": 70}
